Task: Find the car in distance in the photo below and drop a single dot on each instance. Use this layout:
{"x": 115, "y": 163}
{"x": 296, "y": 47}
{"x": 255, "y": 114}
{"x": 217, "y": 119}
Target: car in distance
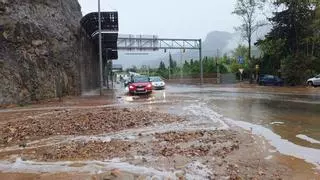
{"x": 157, "y": 82}
{"x": 270, "y": 80}
{"x": 140, "y": 85}
{"x": 315, "y": 81}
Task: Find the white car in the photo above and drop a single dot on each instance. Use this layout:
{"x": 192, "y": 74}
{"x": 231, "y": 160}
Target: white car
{"x": 315, "y": 81}
{"x": 157, "y": 82}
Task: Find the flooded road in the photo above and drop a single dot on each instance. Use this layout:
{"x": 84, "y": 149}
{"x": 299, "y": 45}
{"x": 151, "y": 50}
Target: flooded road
{"x": 221, "y": 132}
{"x": 287, "y": 118}
{"x": 290, "y": 120}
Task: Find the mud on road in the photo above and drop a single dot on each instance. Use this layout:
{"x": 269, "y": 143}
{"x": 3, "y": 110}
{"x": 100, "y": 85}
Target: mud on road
{"x": 77, "y": 122}
{"x": 124, "y": 143}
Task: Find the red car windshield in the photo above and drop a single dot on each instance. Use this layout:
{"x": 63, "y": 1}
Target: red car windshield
{"x": 140, "y": 79}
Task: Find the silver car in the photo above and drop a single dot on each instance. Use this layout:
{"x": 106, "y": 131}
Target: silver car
{"x": 157, "y": 82}
{"x": 315, "y": 81}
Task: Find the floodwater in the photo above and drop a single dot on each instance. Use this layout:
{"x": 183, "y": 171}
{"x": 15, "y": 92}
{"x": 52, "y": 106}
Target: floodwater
{"x": 288, "y": 119}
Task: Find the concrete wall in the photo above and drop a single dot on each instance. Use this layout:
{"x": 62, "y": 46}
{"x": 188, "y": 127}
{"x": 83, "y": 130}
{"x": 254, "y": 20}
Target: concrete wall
{"x": 229, "y": 78}
{"x": 192, "y": 81}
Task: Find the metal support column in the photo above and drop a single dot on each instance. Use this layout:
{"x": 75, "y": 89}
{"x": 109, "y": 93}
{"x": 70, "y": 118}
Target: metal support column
{"x": 112, "y": 75}
{"x": 107, "y": 69}
{"x": 104, "y": 68}
{"x": 218, "y": 68}
{"x": 200, "y": 60}
{"x": 169, "y": 66}
{"x": 181, "y": 64}
{"x": 100, "y": 50}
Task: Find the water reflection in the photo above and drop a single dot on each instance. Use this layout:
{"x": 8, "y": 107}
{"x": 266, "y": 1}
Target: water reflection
{"x": 286, "y": 118}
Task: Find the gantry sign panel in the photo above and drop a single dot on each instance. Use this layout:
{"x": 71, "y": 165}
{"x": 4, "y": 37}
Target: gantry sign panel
{"x": 153, "y": 43}
{"x": 110, "y": 28}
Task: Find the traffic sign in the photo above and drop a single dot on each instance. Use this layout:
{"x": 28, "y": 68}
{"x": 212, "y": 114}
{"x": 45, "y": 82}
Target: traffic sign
{"x": 240, "y": 60}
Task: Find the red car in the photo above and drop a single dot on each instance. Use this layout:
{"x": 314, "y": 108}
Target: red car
{"x": 140, "y": 85}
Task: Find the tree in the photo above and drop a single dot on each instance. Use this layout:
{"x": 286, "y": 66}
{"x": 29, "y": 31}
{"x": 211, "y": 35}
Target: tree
{"x": 272, "y": 55}
{"x": 191, "y": 62}
{"x": 162, "y": 71}
{"x": 248, "y": 11}
{"x": 162, "y": 66}
{"x": 293, "y": 40}
{"x": 186, "y": 67}
{"x": 316, "y": 27}
{"x": 133, "y": 69}
{"x": 241, "y": 51}
{"x": 172, "y": 63}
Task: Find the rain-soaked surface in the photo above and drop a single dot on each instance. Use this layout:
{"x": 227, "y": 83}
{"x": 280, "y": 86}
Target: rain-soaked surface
{"x": 288, "y": 118}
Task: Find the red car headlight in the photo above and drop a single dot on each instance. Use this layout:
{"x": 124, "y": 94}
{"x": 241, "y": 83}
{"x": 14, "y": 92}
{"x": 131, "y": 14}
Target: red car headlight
{"x": 131, "y": 87}
{"x": 149, "y": 86}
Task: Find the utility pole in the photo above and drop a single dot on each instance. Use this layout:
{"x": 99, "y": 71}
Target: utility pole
{"x": 181, "y": 59}
{"x": 108, "y": 74}
{"x": 107, "y": 68}
{"x": 111, "y": 71}
{"x": 218, "y": 69}
{"x": 100, "y": 50}
{"x": 169, "y": 66}
{"x": 200, "y": 60}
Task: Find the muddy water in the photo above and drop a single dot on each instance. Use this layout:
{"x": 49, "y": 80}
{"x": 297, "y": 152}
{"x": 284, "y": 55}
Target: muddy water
{"x": 295, "y": 120}
{"x": 290, "y": 120}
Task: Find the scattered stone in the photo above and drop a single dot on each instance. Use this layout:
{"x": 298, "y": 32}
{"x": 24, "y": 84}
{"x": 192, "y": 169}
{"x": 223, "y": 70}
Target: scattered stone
{"x": 261, "y": 173}
{"x": 155, "y": 178}
{"x": 38, "y": 42}
{"x": 9, "y": 139}
{"x": 141, "y": 178}
{"x": 116, "y": 173}
{"x": 80, "y": 122}
{"x": 23, "y": 145}
{"x": 180, "y": 173}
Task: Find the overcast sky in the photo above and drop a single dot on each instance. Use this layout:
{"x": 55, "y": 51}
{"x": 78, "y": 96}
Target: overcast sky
{"x": 169, "y": 18}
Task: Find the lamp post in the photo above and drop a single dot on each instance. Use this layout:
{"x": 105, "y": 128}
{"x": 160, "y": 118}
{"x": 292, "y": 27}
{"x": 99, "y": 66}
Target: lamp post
{"x": 100, "y": 49}
{"x": 217, "y": 64}
{"x": 257, "y": 72}
{"x": 201, "y": 63}
{"x": 169, "y": 65}
{"x": 181, "y": 63}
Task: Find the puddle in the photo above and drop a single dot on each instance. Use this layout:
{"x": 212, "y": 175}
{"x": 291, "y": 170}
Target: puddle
{"x": 272, "y": 123}
{"x": 284, "y": 146}
{"x": 202, "y": 111}
{"x": 309, "y": 139}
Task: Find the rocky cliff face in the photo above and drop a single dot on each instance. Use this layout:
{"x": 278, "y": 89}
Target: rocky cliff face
{"x": 39, "y": 49}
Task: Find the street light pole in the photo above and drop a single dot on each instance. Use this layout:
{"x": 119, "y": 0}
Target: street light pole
{"x": 181, "y": 64}
{"x": 200, "y": 60}
{"x": 169, "y": 66}
{"x": 218, "y": 69}
{"x": 100, "y": 49}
